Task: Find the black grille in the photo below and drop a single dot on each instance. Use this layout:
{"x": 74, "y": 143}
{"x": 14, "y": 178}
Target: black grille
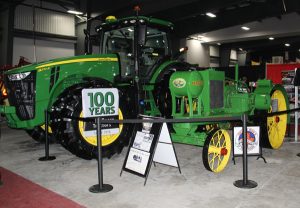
{"x": 21, "y": 94}
{"x": 216, "y": 94}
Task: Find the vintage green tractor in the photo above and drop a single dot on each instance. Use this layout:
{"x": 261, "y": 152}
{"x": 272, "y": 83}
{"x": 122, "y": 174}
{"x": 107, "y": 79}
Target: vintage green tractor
{"x": 135, "y": 57}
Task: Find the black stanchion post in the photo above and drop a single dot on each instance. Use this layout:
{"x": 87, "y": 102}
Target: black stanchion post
{"x": 47, "y": 157}
{"x": 100, "y": 187}
{"x": 245, "y": 183}
{"x": 298, "y": 154}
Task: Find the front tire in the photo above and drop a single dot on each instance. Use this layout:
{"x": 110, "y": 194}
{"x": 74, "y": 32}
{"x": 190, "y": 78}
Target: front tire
{"x": 38, "y": 133}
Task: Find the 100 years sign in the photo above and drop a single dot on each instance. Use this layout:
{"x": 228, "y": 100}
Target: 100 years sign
{"x": 100, "y": 102}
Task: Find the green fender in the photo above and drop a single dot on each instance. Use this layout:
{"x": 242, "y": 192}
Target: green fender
{"x": 70, "y": 81}
{"x": 266, "y": 87}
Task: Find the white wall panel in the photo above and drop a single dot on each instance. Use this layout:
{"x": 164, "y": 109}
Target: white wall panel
{"x": 45, "y": 50}
{"x": 46, "y": 21}
{"x": 214, "y": 51}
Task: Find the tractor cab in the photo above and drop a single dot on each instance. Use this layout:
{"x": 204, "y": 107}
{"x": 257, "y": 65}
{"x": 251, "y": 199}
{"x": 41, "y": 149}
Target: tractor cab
{"x": 140, "y": 43}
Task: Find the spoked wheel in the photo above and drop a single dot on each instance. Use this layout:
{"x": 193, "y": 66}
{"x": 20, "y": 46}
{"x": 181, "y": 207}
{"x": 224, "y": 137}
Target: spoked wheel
{"x": 73, "y": 135}
{"x": 277, "y": 124}
{"x": 38, "y": 134}
{"x": 216, "y": 150}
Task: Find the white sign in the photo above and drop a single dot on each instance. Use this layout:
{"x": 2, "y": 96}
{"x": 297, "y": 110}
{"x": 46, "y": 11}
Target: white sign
{"x": 143, "y": 141}
{"x": 253, "y": 133}
{"x": 100, "y": 102}
{"x": 137, "y": 160}
{"x": 165, "y": 152}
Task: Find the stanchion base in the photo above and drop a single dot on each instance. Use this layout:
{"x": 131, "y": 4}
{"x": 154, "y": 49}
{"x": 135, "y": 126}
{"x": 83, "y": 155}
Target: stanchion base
{"x": 240, "y": 184}
{"x": 105, "y": 188}
{"x": 47, "y": 158}
{"x": 298, "y": 154}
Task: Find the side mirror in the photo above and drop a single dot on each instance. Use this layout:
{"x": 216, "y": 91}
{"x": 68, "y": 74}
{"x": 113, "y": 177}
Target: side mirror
{"x": 142, "y": 35}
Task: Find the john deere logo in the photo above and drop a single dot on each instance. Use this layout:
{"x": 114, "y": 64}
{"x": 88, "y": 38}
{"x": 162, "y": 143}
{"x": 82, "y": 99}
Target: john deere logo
{"x": 179, "y": 83}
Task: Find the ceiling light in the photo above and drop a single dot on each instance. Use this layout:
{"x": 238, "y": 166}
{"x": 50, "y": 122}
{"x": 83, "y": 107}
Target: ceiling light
{"x": 75, "y": 12}
{"x": 218, "y": 43}
{"x": 245, "y": 28}
{"x": 240, "y": 49}
{"x": 130, "y": 30}
{"x": 271, "y": 38}
{"x": 210, "y": 14}
{"x": 287, "y": 44}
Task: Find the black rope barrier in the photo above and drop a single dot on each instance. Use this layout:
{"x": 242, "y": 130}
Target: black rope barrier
{"x": 100, "y": 187}
{"x": 183, "y": 120}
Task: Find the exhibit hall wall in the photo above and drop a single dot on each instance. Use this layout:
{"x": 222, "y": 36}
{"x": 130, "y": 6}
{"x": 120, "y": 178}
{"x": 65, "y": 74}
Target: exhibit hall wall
{"x": 42, "y": 32}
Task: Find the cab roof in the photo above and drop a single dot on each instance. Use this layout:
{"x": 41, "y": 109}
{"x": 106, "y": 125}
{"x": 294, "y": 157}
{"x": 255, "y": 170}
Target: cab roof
{"x": 128, "y": 21}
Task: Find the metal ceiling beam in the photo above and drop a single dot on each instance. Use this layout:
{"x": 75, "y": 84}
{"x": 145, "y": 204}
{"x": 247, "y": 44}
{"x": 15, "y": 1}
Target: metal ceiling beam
{"x": 228, "y": 18}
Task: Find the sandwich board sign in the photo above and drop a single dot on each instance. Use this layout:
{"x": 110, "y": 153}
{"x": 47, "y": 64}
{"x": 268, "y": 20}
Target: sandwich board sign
{"x": 100, "y": 102}
{"x": 151, "y": 142}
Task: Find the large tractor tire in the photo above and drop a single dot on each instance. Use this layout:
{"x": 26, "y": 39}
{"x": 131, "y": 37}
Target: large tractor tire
{"x": 38, "y": 133}
{"x": 273, "y": 128}
{"x": 71, "y": 131}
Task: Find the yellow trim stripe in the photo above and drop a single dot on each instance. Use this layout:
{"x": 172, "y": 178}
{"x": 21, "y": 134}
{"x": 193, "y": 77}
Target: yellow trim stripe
{"x": 76, "y": 61}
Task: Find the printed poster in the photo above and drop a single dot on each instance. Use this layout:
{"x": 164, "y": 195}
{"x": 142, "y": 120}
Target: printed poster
{"x": 137, "y": 160}
{"x": 253, "y": 133}
{"x": 143, "y": 141}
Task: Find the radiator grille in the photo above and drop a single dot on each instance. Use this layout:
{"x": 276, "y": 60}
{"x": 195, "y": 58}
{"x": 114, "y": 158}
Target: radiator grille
{"x": 216, "y": 94}
{"x": 21, "y": 94}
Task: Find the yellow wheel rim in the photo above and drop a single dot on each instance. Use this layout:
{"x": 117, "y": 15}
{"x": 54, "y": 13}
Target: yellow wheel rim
{"x": 277, "y": 124}
{"x": 219, "y": 150}
{"x": 106, "y": 139}
{"x": 49, "y": 128}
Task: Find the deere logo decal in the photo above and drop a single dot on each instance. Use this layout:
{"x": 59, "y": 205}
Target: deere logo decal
{"x": 179, "y": 83}
{"x": 197, "y": 83}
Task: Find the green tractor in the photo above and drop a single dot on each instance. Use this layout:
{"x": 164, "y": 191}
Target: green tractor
{"x": 135, "y": 57}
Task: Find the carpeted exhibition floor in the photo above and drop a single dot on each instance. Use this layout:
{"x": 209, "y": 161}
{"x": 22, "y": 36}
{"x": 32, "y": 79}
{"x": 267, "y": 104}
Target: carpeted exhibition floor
{"x": 18, "y": 192}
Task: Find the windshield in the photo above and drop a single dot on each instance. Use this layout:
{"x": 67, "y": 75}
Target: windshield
{"x": 121, "y": 41}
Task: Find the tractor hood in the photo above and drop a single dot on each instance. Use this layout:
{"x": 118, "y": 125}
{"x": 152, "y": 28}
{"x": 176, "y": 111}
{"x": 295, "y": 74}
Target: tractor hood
{"x": 21, "y": 71}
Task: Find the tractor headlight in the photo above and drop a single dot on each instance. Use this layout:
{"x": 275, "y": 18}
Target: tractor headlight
{"x": 19, "y": 76}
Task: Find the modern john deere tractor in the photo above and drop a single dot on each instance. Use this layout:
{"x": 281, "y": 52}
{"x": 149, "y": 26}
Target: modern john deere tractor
{"x": 135, "y": 58}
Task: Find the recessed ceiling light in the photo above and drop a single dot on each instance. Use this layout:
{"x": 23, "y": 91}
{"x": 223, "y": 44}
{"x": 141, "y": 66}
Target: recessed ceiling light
{"x": 271, "y": 38}
{"x": 287, "y": 44}
{"x": 220, "y": 44}
{"x": 245, "y": 28}
{"x": 75, "y": 12}
{"x": 210, "y": 14}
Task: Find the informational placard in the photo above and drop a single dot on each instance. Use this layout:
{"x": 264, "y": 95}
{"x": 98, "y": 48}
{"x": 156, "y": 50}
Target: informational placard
{"x": 100, "y": 102}
{"x": 137, "y": 160}
{"x": 253, "y": 136}
{"x": 150, "y": 143}
{"x": 143, "y": 141}
{"x": 142, "y": 147}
